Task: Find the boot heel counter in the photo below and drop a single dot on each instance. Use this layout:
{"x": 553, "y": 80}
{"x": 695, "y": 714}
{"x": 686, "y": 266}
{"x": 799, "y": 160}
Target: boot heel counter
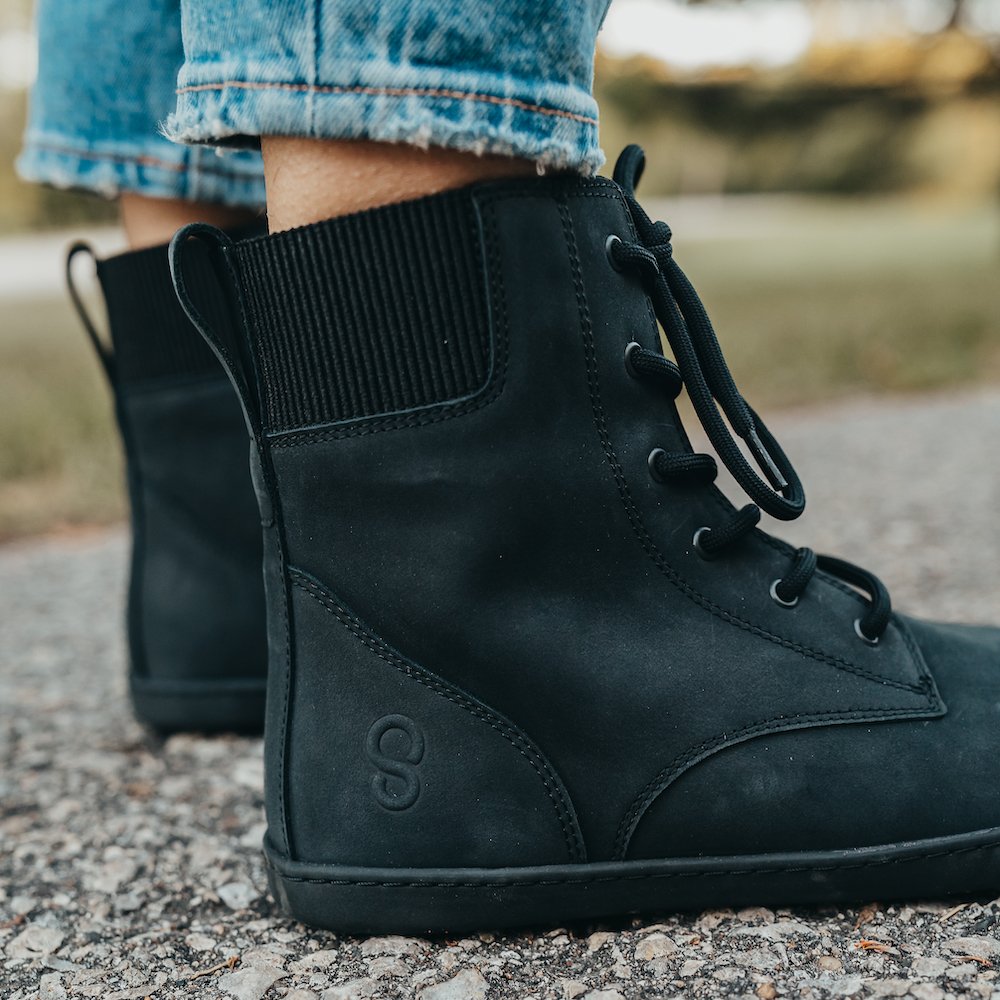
{"x": 195, "y": 594}
{"x": 391, "y": 766}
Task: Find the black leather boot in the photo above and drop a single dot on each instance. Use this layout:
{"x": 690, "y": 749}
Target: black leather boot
{"x": 527, "y": 664}
{"x": 196, "y": 624}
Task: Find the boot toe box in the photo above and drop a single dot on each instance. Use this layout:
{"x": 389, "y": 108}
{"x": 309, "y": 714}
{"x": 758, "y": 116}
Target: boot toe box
{"x": 855, "y": 785}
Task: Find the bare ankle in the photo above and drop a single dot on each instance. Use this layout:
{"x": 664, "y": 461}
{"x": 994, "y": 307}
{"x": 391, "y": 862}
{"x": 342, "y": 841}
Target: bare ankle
{"x": 149, "y": 222}
{"x": 313, "y": 179}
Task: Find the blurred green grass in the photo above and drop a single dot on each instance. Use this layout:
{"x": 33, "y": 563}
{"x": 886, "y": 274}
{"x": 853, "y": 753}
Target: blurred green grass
{"x": 813, "y": 299}
{"x": 829, "y": 298}
{"x": 60, "y": 466}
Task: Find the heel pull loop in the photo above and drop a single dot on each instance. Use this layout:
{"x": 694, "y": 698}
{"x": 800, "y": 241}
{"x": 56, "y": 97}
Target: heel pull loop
{"x": 233, "y": 353}
{"x": 105, "y": 353}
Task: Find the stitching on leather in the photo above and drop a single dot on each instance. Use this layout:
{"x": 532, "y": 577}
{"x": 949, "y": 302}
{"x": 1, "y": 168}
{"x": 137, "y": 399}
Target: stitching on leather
{"x": 517, "y": 740}
{"x": 648, "y": 876}
{"x": 436, "y": 413}
{"x": 286, "y": 699}
{"x": 646, "y": 796}
{"x": 553, "y": 787}
{"x": 926, "y": 684}
{"x": 694, "y": 755}
{"x": 924, "y": 688}
{"x": 635, "y": 518}
{"x": 438, "y": 92}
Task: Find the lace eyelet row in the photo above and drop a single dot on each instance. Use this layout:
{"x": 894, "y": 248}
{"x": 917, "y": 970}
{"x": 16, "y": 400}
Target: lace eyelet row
{"x": 656, "y": 454}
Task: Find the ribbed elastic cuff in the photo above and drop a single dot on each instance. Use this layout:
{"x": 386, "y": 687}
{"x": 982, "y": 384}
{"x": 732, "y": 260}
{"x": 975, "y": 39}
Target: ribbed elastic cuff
{"x": 368, "y": 314}
{"x": 151, "y": 335}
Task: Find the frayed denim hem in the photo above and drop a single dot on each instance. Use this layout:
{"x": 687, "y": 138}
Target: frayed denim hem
{"x": 234, "y": 112}
{"x": 155, "y": 171}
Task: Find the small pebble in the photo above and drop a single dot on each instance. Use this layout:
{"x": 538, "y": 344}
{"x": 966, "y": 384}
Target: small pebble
{"x": 35, "y": 942}
{"x": 467, "y": 985}
{"x": 392, "y": 945}
{"x": 654, "y": 946}
{"x": 237, "y": 895}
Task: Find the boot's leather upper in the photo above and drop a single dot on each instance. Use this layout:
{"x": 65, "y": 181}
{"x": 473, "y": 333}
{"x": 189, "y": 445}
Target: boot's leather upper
{"x": 494, "y": 639}
{"x": 196, "y": 601}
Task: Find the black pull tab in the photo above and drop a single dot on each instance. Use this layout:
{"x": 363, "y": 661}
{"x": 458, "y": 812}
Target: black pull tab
{"x": 200, "y": 245}
{"x": 629, "y": 167}
{"x": 105, "y": 354}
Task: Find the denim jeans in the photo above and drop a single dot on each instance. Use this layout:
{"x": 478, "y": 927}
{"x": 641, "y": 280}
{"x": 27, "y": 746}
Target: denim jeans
{"x": 168, "y": 98}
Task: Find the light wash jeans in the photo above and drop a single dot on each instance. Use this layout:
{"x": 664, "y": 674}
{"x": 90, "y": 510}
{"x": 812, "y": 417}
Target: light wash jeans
{"x": 168, "y": 98}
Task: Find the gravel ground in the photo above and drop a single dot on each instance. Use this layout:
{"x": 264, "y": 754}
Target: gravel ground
{"x": 130, "y": 867}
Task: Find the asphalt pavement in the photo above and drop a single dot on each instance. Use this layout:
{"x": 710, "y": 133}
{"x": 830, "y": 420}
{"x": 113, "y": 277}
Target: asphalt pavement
{"x": 130, "y": 866}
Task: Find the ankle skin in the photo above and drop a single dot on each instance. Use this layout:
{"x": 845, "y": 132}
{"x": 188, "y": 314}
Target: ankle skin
{"x": 309, "y": 180}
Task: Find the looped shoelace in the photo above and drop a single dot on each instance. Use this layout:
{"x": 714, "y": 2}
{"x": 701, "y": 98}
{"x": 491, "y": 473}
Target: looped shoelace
{"x": 701, "y": 368}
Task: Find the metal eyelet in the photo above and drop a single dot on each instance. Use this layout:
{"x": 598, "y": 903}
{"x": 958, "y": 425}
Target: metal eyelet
{"x": 696, "y": 542}
{"x": 861, "y": 635}
{"x": 609, "y": 245}
{"x": 778, "y": 599}
{"x": 630, "y": 351}
{"x": 651, "y": 462}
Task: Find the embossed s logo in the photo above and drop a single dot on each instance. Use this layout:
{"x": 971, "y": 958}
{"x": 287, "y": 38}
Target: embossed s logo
{"x": 395, "y": 745}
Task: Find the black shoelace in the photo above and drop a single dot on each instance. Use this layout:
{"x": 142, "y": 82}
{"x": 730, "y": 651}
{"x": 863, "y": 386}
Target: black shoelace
{"x": 701, "y": 368}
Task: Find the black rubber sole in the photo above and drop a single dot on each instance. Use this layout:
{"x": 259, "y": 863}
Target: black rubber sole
{"x": 200, "y": 706}
{"x": 435, "y": 901}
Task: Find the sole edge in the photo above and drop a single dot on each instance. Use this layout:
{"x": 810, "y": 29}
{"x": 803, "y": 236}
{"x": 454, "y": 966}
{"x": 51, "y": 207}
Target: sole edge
{"x": 196, "y": 706}
{"x": 436, "y": 901}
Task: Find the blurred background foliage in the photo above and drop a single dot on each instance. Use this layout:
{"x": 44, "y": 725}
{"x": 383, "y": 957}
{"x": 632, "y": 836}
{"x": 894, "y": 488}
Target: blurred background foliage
{"x": 914, "y": 112}
{"x": 915, "y": 115}
{"x": 835, "y": 200}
